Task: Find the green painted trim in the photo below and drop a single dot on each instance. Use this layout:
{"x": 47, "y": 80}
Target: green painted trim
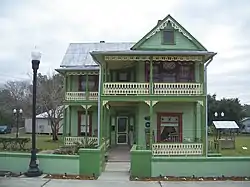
{"x": 194, "y": 41}
{"x": 196, "y": 159}
{"x": 81, "y": 102}
{"x": 25, "y": 155}
{"x": 153, "y": 98}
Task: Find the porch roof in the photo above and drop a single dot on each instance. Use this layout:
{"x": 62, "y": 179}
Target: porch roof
{"x": 148, "y": 52}
{"x": 98, "y": 54}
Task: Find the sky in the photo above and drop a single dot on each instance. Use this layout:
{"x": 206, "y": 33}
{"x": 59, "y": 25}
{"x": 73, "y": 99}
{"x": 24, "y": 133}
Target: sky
{"x": 222, "y": 26}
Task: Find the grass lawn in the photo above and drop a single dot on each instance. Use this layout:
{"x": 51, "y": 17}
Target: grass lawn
{"x": 43, "y": 142}
{"x": 240, "y": 141}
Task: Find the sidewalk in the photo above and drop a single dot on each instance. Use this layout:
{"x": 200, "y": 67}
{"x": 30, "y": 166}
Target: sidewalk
{"x": 40, "y": 182}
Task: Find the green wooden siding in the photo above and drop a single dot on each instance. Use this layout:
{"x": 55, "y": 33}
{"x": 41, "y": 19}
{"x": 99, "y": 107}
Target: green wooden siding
{"x": 155, "y": 43}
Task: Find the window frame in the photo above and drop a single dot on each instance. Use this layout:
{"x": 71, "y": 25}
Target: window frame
{"x": 80, "y": 113}
{"x": 160, "y": 115}
{"x": 163, "y": 38}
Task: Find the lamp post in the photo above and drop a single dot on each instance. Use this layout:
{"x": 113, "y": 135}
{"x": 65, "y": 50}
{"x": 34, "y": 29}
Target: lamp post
{"x": 17, "y": 114}
{"x": 34, "y": 170}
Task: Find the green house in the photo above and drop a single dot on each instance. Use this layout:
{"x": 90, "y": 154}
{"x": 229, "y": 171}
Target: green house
{"x": 151, "y": 93}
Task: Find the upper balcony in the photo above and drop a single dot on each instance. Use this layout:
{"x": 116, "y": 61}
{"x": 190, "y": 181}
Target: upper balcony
{"x": 157, "y": 89}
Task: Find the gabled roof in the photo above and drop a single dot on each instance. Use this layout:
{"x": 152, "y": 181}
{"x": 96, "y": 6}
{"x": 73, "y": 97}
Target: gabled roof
{"x": 225, "y": 125}
{"x": 78, "y": 54}
{"x": 163, "y": 24}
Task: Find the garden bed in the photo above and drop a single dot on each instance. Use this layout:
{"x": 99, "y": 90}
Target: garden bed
{"x": 72, "y": 177}
{"x": 9, "y": 174}
{"x": 193, "y": 178}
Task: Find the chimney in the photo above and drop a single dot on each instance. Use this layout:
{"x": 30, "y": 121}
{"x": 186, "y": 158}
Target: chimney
{"x": 159, "y": 21}
{"x": 102, "y": 41}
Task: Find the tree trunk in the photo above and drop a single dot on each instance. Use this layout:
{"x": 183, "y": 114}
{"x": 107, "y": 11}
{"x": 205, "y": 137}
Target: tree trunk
{"x": 54, "y": 132}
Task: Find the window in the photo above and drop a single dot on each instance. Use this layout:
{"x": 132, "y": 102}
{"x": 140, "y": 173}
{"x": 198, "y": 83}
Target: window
{"x": 92, "y": 83}
{"x": 169, "y": 128}
{"x": 82, "y": 126}
{"x": 170, "y": 72}
{"x": 123, "y": 76}
{"x": 82, "y": 83}
{"x": 168, "y": 37}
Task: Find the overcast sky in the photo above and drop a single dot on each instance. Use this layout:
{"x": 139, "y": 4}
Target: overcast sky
{"x": 222, "y": 26}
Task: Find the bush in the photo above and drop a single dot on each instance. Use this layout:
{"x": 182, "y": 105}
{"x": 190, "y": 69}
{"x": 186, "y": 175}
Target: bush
{"x": 10, "y": 143}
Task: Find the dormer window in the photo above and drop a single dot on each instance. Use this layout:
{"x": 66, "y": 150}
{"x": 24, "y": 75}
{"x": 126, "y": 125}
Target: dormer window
{"x": 168, "y": 37}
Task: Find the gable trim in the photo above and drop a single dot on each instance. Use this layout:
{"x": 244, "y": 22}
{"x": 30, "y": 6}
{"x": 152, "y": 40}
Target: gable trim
{"x": 176, "y": 26}
{"x": 163, "y": 26}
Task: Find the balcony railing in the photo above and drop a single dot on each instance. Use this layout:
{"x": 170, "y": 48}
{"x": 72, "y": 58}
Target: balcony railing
{"x": 125, "y": 88}
{"x": 158, "y": 88}
{"x": 79, "y": 96}
{"x": 178, "y": 88}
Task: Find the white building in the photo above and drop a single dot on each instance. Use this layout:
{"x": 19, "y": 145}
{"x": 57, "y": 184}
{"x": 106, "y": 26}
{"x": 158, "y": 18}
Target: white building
{"x": 42, "y": 124}
{"x": 245, "y": 125}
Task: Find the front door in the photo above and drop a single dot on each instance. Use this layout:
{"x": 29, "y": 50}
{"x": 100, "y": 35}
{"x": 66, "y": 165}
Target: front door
{"x": 122, "y": 130}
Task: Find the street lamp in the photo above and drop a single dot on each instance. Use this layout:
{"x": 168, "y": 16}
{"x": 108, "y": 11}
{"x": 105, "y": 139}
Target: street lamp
{"x": 34, "y": 170}
{"x": 217, "y": 115}
{"x": 17, "y": 114}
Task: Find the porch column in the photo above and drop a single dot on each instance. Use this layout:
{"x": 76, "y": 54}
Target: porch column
{"x": 151, "y": 123}
{"x": 151, "y": 84}
{"x": 86, "y": 122}
{"x": 69, "y": 122}
{"x": 203, "y": 126}
{"x": 65, "y": 117}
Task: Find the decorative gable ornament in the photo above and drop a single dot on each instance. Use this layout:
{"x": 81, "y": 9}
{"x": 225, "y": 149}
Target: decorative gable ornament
{"x": 165, "y": 24}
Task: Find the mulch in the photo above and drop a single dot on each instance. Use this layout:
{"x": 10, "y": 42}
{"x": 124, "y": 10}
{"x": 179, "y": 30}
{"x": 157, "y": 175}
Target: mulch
{"x": 72, "y": 177}
{"x": 193, "y": 178}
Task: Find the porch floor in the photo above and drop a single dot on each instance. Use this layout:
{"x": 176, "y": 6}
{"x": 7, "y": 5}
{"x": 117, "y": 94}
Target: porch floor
{"x": 119, "y": 153}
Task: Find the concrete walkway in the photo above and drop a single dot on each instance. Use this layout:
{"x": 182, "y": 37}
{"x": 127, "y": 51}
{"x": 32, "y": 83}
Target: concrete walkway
{"x": 40, "y": 182}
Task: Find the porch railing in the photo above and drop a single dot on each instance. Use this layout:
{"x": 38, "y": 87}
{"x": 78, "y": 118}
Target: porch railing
{"x": 125, "y": 88}
{"x": 70, "y": 140}
{"x": 158, "y": 88}
{"x": 78, "y": 96}
{"x": 177, "y": 149}
{"x": 178, "y": 88}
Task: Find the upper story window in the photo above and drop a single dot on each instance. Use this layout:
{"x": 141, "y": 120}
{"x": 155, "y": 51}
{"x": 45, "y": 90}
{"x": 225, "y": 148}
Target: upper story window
{"x": 168, "y": 37}
{"x": 91, "y": 83}
{"x": 167, "y": 72}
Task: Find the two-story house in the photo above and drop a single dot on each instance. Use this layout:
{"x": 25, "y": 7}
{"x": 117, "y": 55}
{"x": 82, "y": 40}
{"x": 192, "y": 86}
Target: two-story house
{"x": 148, "y": 92}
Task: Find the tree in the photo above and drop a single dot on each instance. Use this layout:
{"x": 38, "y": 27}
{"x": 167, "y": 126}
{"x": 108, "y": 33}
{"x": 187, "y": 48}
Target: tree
{"x": 230, "y": 107}
{"x": 16, "y": 94}
{"x": 50, "y": 95}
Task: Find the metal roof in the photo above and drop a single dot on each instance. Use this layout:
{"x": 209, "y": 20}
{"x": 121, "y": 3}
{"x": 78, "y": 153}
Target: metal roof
{"x": 225, "y": 125}
{"x": 78, "y": 54}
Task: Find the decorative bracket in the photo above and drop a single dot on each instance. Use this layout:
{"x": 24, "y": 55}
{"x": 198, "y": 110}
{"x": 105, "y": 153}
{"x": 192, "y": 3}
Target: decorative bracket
{"x": 86, "y": 106}
{"x": 147, "y": 102}
{"x": 66, "y": 106}
{"x": 107, "y": 106}
{"x": 154, "y": 102}
{"x": 104, "y": 102}
{"x": 201, "y": 103}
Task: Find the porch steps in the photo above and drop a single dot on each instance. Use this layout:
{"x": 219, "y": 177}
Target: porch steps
{"x": 118, "y": 171}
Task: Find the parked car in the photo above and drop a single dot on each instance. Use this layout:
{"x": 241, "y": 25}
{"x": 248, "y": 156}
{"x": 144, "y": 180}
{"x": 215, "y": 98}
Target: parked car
{"x": 5, "y": 129}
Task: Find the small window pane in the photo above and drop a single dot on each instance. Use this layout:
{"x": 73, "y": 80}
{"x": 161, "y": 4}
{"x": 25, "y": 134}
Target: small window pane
{"x": 83, "y": 83}
{"x": 168, "y": 37}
